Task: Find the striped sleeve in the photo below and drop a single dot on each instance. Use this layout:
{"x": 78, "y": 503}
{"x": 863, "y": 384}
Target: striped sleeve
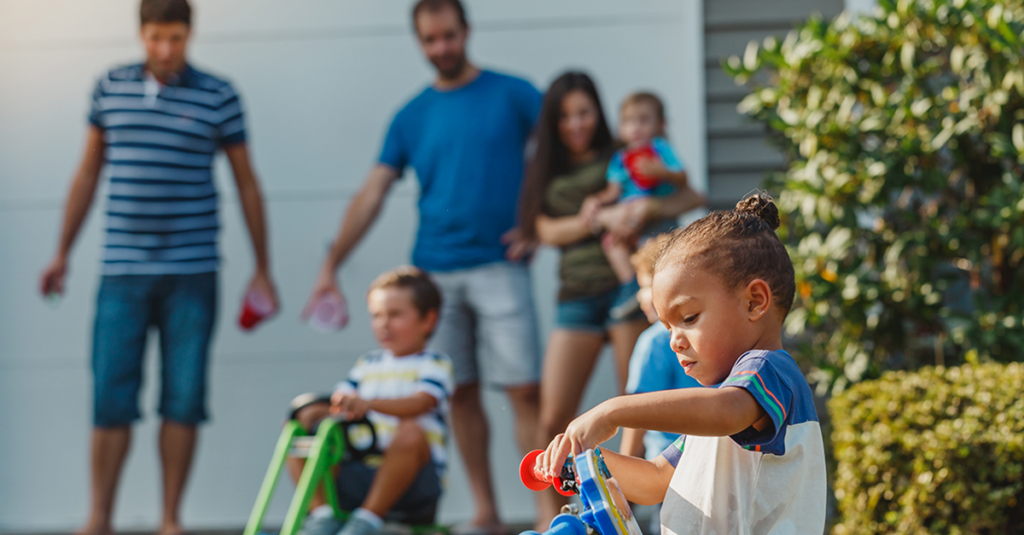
{"x": 674, "y": 451}
{"x": 231, "y": 126}
{"x": 96, "y": 106}
{"x": 435, "y": 377}
{"x": 759, "y": 377}
{"x": 350, "y": 385}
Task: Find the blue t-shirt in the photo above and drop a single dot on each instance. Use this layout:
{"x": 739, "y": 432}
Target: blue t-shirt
{"x": 467, "y": 148}
{"x": 654, "y": 367}
{"x": 618, "y": 172}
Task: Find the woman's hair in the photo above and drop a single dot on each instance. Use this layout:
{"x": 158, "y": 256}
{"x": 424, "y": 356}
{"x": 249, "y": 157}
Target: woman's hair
{"x": 551, "y": 157}
{"x": 425, "y": 294}
{"x": 738, "y": 246}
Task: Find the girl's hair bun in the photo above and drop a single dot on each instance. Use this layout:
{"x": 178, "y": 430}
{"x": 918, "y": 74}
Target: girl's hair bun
{"x": 762, "y": 206}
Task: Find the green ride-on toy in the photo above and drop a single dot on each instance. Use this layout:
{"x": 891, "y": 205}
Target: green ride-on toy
{"x": 322, "y": 451}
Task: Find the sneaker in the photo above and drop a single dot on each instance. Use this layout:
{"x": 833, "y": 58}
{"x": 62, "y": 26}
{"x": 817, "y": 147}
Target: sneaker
{"x": 320, "y": 525}
{"x": 358, "y": 526}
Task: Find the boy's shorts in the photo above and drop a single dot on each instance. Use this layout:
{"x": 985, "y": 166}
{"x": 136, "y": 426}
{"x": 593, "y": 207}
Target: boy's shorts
{"x": 417, "y": 506}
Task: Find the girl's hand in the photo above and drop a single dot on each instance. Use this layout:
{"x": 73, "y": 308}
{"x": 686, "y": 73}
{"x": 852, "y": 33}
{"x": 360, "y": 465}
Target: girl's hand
{"x": 585, "y": 432}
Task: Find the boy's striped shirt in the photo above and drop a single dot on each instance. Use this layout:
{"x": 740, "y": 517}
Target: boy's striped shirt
{"x": 381, "y": 375}
{"x": 160, "y": 144}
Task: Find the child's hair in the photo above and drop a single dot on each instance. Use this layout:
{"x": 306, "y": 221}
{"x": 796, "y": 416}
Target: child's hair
{"x": 648, "y": 98}
{"x": 164, "y": 11}
{"x": 644, "y": 257}
{"x": 425, "y": 294}
{"x": 739, "y": 246}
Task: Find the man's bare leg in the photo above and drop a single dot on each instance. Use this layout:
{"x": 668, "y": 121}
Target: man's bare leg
{"x": 469, "y": 424}
{"x": 109, "y": 449}
{"x": 405, "y": 457}
{"x": 177, "y": 446}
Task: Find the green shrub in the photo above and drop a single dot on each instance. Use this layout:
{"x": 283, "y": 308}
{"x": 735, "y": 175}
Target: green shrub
{"x": 936, "y": 451}
{"x": 903, "y": 203}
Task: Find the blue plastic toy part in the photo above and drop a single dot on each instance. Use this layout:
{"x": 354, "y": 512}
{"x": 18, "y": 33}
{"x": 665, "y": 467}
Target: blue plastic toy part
{"x": 563, "y": 524}
{"x": 599, "y": 499}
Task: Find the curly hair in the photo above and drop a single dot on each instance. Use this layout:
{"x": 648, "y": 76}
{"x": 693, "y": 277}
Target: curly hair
{"x": 739, "y": 246}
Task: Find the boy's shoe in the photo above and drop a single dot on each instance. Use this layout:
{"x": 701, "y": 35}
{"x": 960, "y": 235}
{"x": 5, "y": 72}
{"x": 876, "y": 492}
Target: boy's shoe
{"x": 320, "y": 525}
{"x": 358, "y": 526}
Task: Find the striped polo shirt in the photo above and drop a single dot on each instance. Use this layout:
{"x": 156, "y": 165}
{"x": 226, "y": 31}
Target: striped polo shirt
{"x": 160, "y": 144}
{"x": 381, "y": 375}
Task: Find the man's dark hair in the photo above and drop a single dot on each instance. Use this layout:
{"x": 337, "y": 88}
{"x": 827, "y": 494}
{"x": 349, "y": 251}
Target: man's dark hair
{"x": 163, "y": 11}
{"x": 425, "y": 294}
{"x": 433, "y": 6}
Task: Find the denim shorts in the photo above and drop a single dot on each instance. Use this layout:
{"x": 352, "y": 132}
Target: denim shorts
{"x": 417, "y": 506}
{"x": 182, "y": 309}
{"x": 488, "y": 308}
{"x": 593, "y": 313}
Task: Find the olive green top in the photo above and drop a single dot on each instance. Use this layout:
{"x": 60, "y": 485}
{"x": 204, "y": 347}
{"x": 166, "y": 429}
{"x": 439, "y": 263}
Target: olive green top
{"x": 583, "y": 269}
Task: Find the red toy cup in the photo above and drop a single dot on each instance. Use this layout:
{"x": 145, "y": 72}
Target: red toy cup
{"x": 631, "y": 158}
{"x": 256, "y": 307}
{"x": 536, "y": 480}
{"x": 329, "y": 314}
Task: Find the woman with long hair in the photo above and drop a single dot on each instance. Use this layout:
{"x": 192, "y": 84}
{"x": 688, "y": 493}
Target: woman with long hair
{"x": 573, "y": 145}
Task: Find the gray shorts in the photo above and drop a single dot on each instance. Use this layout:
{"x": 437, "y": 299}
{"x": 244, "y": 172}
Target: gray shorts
{"x": 487, "y": 311}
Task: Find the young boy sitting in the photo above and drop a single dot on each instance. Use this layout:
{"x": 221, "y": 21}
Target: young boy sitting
{"x": 750, "y": 458}
{"x": 403, "y": 390}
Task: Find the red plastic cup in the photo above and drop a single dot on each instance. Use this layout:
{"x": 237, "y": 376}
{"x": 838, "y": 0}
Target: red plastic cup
{"x": 256, "y": 307}
{"x": 536, "y": 480}
{"x": 631, "y": 158}
{"x": 329, "y": 314}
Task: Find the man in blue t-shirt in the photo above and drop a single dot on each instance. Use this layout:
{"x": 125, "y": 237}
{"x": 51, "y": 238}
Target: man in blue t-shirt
{"x": 464, "y": 136}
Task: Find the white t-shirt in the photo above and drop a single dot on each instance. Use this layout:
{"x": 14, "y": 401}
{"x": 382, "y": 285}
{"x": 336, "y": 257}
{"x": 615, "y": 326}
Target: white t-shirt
{"x": 755, "y": 482}
{"x": 381, "y": 375}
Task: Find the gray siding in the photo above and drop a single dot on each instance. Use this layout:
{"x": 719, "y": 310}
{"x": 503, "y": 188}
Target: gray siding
{"x": 739, "y": 156}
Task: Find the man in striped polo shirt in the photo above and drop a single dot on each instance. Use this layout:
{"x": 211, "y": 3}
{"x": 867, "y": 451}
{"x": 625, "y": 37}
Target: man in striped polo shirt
{"x": 156, "y": 127}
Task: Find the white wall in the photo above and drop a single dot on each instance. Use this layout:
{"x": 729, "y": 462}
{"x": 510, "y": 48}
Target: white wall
{"x": 320, "y": 79}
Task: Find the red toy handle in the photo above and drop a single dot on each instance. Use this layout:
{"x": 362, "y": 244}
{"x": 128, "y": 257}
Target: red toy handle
{"x": 535, "y": 479}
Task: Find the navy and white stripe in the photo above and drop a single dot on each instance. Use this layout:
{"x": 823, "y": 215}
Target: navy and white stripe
{"x": 160, "y": 144}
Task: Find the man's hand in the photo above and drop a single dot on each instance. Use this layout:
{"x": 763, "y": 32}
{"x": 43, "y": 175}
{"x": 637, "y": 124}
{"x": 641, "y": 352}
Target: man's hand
{"x": 518, "y": 246}
{"x": 262, "y": 282}
{"x": 52, "y": 278}
{"x": 350, "y": 406}
{"x": 326, "y": 283}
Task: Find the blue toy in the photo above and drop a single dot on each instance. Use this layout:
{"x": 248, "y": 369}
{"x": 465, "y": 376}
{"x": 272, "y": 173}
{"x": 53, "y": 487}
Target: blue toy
{"x": 605, "y": 509}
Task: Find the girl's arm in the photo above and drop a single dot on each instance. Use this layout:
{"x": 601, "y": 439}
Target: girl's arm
{"x": 689, "y": 411}
{"x": 643, "y": 482}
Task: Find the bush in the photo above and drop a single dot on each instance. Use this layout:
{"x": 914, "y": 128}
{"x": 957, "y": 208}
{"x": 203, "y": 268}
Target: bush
{"x": 903, "y": 204}
{"x": 937, "y": 451}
